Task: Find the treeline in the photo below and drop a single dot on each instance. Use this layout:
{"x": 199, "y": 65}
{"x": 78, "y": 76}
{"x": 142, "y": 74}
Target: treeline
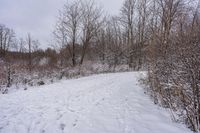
{"x": 21, "y": 51}
{"x": 83, "y": 32}
{"x": 115, "y": 40}
{"x": 161, "y": 36}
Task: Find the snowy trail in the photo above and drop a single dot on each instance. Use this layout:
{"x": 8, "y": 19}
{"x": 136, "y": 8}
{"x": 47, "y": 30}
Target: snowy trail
{"x": 106, "y": 103}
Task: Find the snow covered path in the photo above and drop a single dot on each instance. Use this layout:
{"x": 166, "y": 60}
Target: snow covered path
{"x": 106, "y": 103}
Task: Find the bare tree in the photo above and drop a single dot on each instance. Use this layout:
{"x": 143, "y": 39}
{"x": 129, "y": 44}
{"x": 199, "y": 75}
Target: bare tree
{"x": 71, "y": 23}
{"x": 142, "y": 29}
{"x": 91, "y": 23}
{"x": 128, "y": 14}
{"x": 29, "y": 42}
{"x": 6, "y": 39}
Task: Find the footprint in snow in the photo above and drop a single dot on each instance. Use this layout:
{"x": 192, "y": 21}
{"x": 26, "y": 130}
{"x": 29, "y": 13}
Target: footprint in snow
{"x": 59, "y": 117}
{"x": 38, "y": 122}
{"x": 43, "y": 131}
{"x": 1, "y": 128}
{"x": 97, "y": 104}
{"x": 62, "y": 126}
{"x": 75, "y": 123}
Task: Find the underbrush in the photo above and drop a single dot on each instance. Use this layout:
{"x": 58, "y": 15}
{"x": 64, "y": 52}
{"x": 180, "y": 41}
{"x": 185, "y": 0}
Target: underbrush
{"x": 178, "y": 99}
{"x": 18, "y": 77}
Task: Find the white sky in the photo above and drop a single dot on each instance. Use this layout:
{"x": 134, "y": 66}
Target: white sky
{"x": 38, "y": 17}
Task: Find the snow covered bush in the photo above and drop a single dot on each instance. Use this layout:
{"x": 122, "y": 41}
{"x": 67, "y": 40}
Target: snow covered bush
{"x": 22, "y": 78}
{"x": 174, "y": 71}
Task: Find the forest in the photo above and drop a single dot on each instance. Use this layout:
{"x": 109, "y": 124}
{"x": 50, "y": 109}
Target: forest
{"x": 161, "y": 37}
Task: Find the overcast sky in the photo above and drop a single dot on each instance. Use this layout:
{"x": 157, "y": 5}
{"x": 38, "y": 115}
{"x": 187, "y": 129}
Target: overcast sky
{"x": 38, "y": 17}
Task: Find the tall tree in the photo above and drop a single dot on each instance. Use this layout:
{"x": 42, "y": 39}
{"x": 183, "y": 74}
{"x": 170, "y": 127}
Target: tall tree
{"x": 71, "y": 23}
{"x": 6, "y": 39}
{"x": 91, "y": 23}
{"x": 128, "y": 14}
{"x": 29, "y": 42}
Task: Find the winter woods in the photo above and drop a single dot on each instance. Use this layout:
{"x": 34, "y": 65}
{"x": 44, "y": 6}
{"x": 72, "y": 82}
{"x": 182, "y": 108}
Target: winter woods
{"x": 83, "y": 28}
{"x": 158, "y": 36}
{"x": 174, "y": 59}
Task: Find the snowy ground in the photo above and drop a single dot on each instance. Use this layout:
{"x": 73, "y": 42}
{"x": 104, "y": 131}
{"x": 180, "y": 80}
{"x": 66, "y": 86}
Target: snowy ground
{"x": 106, "y": 103}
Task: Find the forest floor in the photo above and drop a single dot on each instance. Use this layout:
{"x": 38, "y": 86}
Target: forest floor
{"x": 105, "y": 103}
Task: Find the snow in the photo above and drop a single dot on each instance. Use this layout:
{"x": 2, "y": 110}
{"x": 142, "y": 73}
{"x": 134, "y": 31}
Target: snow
{"x": 105, "y": 103}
